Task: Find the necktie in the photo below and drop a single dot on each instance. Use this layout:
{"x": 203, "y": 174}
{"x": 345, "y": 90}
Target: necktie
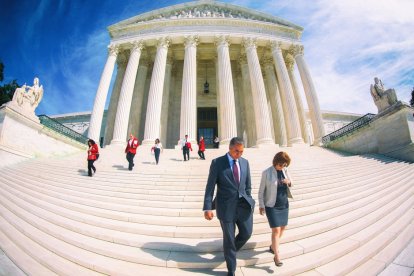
{"x": 236, "y": 172}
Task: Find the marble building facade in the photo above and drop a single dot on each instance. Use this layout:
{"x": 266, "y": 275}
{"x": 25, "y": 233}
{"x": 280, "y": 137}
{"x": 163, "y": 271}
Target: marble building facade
{"x": 206, "y": 68}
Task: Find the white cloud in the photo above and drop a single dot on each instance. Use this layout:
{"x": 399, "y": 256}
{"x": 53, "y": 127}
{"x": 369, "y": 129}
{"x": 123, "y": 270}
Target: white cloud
{"x": 348, "y": 43}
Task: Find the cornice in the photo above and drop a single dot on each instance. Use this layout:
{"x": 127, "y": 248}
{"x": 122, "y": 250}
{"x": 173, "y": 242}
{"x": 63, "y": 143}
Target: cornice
{"x": 222, "y": 24}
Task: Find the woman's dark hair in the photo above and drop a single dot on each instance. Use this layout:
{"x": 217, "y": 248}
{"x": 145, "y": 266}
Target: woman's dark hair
{"x": 157, "y": 141}
{"x": 91, "y": 141}
{"x": 281, "y": 158}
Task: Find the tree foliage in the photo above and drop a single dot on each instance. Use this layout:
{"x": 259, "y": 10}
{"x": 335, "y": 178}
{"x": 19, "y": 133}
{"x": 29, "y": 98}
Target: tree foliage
{"x": 412, "y": 98}
{"x": 6, "y": 89}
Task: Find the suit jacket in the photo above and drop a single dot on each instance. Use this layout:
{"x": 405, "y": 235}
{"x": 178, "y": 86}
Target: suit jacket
{"x": 132, "y": 146}
{"x": 268, "y": 187}
{"x": 227, "y": 193}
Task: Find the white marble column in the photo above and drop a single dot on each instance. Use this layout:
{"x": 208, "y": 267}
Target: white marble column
{"x": 166, "y": 101}
{"x": 101, "y": 94}
{"x": 188, "y": 118}
{"x": 138, "y": 98}
{"x": 226, "y": 92}
{"x": 276, "y": 103}
{"x": 153, "y": 118}
{"x": 124, "y": 103}
{"x": 288, "y": 99}
{"x": 113, "y": 103}
{"x": 264, "y": 133}
{"x": 248, "y": 99}
{"x": 311, "y": 96}
{"x": 290, "y": 64}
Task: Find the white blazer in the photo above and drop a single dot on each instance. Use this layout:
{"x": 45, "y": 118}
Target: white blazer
{"x": 268, "y": 187}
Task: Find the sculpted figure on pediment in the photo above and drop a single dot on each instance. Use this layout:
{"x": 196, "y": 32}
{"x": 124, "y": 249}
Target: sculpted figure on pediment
{"x": 382, "y": 98}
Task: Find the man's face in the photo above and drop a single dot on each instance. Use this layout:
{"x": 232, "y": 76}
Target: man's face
{"x": 236, "y": 151}
{"x": 131, "y": 136}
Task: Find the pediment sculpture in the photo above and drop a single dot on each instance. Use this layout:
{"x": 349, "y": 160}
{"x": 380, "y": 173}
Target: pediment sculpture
{"x": 27, "y": 97}
{"x": 382, "y": 98}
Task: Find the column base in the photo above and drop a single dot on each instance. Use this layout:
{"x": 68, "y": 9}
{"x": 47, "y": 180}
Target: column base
{"x": 317, "y": 142}
{"x": 296, "y": 141}
{"x": 148, "y": 142}
{"x": 264, "y": 142}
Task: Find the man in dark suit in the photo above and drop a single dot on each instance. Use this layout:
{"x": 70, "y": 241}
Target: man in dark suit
{"x": 234, "y": 203}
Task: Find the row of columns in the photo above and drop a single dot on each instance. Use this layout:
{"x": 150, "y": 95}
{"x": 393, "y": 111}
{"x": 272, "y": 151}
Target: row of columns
{"x": 288, "y": 115}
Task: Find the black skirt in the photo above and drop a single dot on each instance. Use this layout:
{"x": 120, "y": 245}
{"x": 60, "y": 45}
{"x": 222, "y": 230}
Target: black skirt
{"x": 277, "y": 215}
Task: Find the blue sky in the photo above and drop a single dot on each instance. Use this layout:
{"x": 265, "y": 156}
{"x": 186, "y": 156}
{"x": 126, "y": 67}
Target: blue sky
{"x": 347, "y": 44}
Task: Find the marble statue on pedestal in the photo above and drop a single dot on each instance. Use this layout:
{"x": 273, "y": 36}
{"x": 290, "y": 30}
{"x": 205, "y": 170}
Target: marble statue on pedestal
{"x": 382, "y": 98}
{"x": 28, "y": 97}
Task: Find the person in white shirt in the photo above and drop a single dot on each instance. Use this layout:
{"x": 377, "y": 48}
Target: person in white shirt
{"x": 157, "y": 148}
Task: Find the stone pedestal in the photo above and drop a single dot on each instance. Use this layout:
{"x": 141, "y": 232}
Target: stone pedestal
{"x": 390, "y": 133}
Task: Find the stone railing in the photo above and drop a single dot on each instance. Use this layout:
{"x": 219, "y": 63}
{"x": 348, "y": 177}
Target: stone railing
{"x": 64, "y": 130}
{"x": 349, "y": 128}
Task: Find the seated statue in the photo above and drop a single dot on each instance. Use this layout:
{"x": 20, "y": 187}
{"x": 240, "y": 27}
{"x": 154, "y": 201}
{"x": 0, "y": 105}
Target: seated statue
{"x": 28, "y": 97}
{"x": 382, "y": 98}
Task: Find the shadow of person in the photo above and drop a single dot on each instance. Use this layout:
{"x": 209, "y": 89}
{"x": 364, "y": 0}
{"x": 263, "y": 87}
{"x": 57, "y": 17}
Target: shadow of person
{"x": 206, "y": 256}
{"x": 83, "y": 172}
{"x": 120, "y": 167}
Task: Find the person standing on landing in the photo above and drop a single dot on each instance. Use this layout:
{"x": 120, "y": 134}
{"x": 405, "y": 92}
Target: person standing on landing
{"x": 131, "y": 150}
{"x": 93, "y": 153}
{"x": 234, "y": 204}
{"x": 273, "y": 195}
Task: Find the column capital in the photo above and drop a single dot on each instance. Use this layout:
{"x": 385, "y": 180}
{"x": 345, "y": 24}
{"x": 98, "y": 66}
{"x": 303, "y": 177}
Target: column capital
{"x": 191, "y": 40}
{"x": 113, "y": 49}
{"x": 296, "y": 50}
{"x": 275, "y": 45}
{"x": 249, "y": 42}
{"x": 163, "y": 42}
{"x": 136, "y": 46}
{"x": 222, "y": 40}
{"x": 289, "y": 60}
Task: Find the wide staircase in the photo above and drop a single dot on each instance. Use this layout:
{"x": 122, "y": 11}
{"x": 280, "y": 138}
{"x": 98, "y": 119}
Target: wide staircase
{"x": 350, "y": 215}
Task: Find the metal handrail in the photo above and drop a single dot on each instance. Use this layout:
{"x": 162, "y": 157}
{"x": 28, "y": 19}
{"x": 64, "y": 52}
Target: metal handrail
{"x": 358, "y": 123}
{"x": 62, "y": 129}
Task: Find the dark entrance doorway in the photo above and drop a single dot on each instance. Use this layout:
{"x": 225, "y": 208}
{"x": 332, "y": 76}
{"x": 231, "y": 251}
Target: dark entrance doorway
{"x": 207, "y": 124}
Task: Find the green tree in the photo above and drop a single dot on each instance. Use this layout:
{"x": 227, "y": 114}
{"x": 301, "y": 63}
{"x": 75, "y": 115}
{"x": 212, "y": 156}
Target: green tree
{"x": 6, "y": 89}
{"x": 412, "y": 98}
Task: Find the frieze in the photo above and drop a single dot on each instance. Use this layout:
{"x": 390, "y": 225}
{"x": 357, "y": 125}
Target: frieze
{"x": 157, "y": 27}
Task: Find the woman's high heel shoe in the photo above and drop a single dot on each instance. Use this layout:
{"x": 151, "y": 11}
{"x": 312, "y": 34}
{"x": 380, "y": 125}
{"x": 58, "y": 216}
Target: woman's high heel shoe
{"x": 277, "y": 262}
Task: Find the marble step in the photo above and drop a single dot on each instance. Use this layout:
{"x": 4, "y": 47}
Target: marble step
{"x": 312, "y": 262}
{"x": 261, "y": 239}
{"x": 27, "y": 264}
{"x": 384, "y": 258}
{"x": 175, "y": 258}
{"x": 298, "y": 207}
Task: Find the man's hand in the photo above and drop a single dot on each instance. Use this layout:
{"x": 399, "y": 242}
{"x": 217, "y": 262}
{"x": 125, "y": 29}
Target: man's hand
{"x": 208, "y": 215}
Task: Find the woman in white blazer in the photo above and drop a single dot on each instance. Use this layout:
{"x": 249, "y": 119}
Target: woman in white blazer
{"x": 274, "y": 192}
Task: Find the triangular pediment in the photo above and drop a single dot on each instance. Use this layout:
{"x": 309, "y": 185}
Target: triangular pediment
{"x": 204, "y": 9}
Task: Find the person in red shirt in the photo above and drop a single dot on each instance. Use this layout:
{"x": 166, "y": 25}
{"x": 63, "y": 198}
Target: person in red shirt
{"x": 93, "y": 153}
{"x": 201, "y": 148}
{"x": 131, "y": 150}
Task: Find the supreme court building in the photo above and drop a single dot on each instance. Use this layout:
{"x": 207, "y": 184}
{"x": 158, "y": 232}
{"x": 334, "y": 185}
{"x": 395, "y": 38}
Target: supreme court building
{"x": 206, "y": 68}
